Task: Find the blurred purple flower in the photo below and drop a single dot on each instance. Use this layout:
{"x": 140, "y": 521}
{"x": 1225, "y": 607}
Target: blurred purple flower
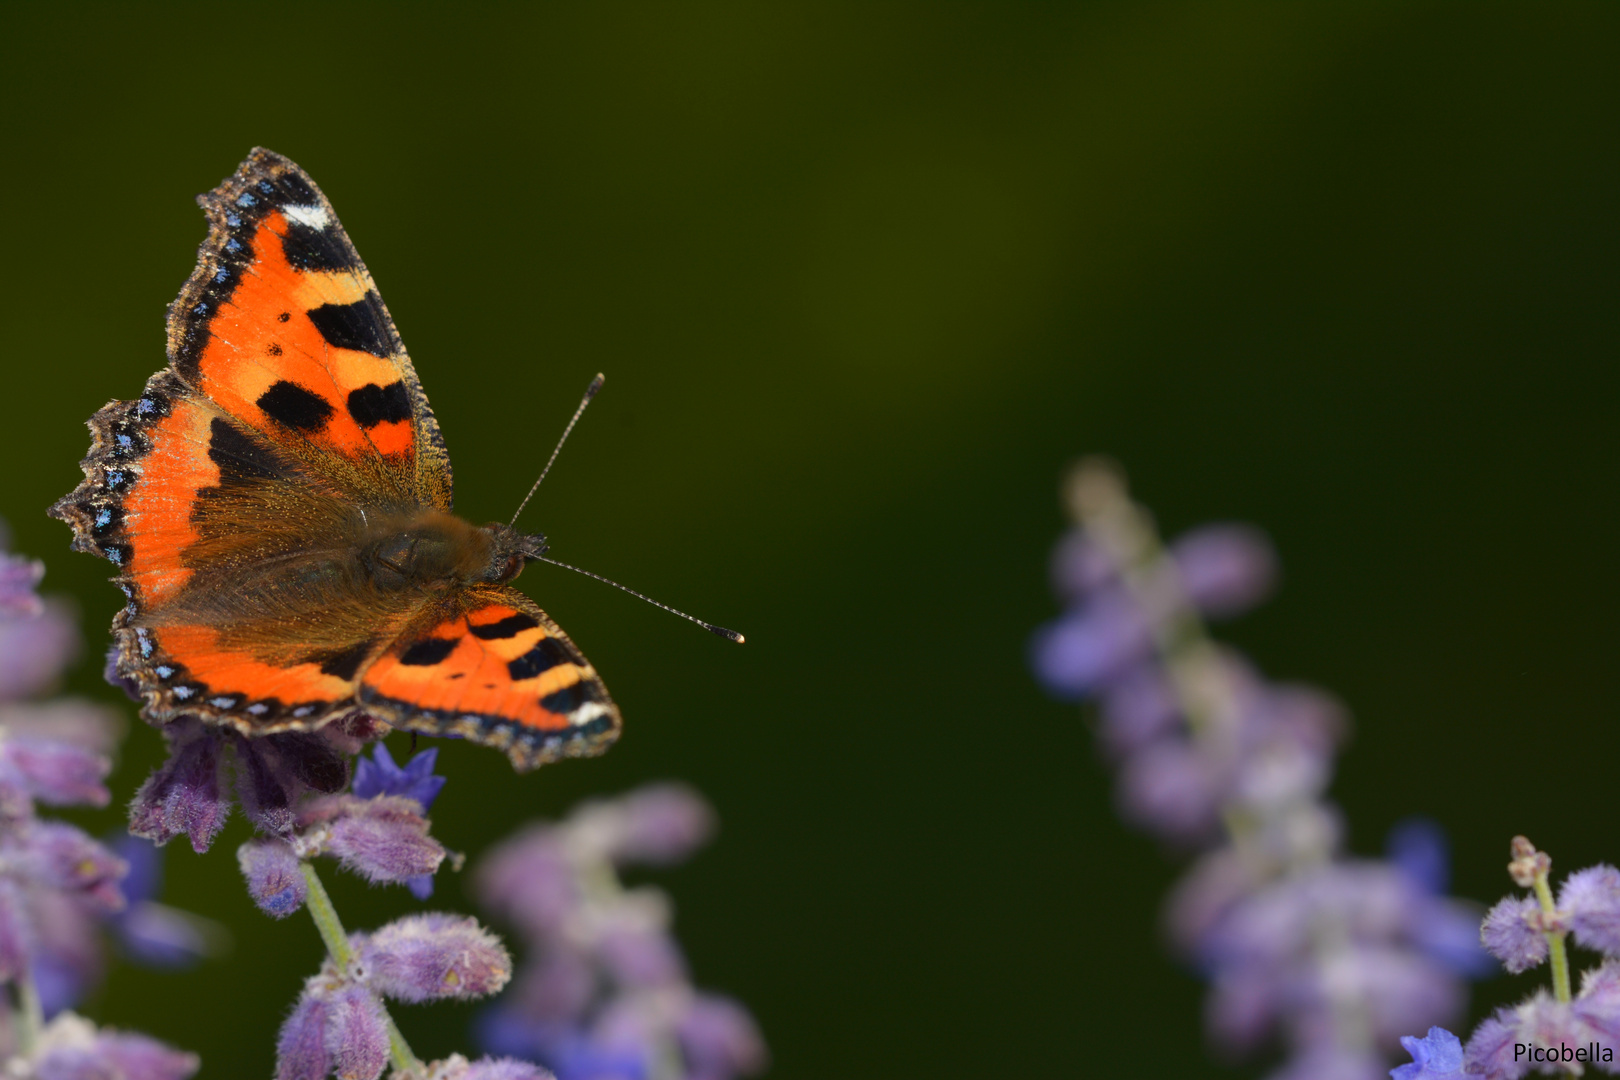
{"x": 604, "y": 994}
{"x": 1434, "y": 1057}
{"x": 1211, "y": 756}
{"x": 71, "y": 1048}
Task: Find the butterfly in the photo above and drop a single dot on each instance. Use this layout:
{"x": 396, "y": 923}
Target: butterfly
{"x": 278, "y": 504}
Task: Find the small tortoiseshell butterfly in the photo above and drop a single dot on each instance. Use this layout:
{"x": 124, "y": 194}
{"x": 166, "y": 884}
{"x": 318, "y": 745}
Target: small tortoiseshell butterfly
{"x": 277, "y": 503}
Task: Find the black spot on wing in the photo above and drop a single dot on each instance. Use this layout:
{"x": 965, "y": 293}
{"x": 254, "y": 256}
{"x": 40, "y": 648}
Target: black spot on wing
{"x": 360, "y": 325}
{"x": 239, "y": 456}
{"x": 543, "y": 657}
{"x": 372, "y": 404}
{"x": 309, "y": 248}
{"x": 511, "y": 626}
{"x": 569, "y": 698}
{"x": 429, "y": 651}
{"x": 342, "y": 663}
{"x": 296, "y": 407}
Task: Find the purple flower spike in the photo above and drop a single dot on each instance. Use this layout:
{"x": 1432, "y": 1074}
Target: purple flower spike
{"x": 662, "y": 824}
{"x": 1512, "y": 932}
{"x": 356, "y": 1034}
{"x": 383, "y": 839}
{"x": 1592, "y": 899}
{"x": 53, "y": 772}
{"x": 720, "y": 1039}
{"x": 1437, "y": 1055}
{"x": 63, "y": 857}
{"x": 274, "y": 879}
{"x": 301, "y": 1052}
{"x": 183, "y": 797}
{"x": 425, "y": 957}
{"x": 380, "y": 776}
{"x": 18, "y": 579}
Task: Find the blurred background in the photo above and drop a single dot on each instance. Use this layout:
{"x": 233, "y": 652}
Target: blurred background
{"x": 864, "y": 280}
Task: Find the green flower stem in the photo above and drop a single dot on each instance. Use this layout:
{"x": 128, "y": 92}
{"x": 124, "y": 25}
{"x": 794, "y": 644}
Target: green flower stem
{"x": 30, "y": 1015}
{"x": 1555, "y": 940}
{"x": 337, "y": 944}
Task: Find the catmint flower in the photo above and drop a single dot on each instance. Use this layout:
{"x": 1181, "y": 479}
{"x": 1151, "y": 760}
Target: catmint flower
{"x": 1591, "y": 898}
{"x": 71, "y": 1048}
{"x": 274, "y": 880}
{"x": 356, "y": 1034}
{"x": 426, "y": 957}
{"x": 383, "y": 839}
{"x": 1513, "y": 933}
{"x": 19, "y": 578}
{"x": 1436, "y": 1056}
{"x": 301, "y": 1051}
{"x": 379, "y": 775}
{"x": 191, "y": 794}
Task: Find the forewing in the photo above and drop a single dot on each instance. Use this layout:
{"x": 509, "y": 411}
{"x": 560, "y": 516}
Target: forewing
{"x": 282, "y": 328}
{"x": 490, "y": 666}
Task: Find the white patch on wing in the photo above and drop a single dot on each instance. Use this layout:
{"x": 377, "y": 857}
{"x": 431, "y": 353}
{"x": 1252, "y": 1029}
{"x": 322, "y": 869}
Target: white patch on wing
{"x": 314, "y": 217}
{"x": 586, "y": 713}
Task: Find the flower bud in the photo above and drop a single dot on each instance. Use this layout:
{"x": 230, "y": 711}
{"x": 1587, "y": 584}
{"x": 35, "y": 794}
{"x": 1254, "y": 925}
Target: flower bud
{"x": 383, "y": 839}
{"x": 301, "y": 1052}
{"x": 424, "y": 957}
{"x": 356, "y": 1034}
{"x": 274, "y": 879}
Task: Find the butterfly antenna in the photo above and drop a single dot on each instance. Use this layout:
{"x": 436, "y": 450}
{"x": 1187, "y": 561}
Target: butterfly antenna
{"x": 590, "y": 392}
{"x": 729, "y": 635}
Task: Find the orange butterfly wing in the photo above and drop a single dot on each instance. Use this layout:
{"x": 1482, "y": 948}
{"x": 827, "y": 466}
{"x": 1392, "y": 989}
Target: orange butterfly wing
{"x": 491, "y": 666}
{"x": 230, "y": 495}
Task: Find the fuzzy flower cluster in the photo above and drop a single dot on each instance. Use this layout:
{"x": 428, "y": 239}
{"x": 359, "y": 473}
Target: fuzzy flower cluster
{"x": 1552, "y": 1031}
{"x": 340, "y": 1026}
{"x": 604, "y": 993}
{"x": 377, "y": 831}
{"x": 1336, "y": 957}
{"x": 58, "y": 886}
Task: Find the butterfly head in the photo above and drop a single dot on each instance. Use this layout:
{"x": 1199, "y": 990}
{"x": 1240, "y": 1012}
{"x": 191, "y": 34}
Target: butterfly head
{"x": 510, "y": 552}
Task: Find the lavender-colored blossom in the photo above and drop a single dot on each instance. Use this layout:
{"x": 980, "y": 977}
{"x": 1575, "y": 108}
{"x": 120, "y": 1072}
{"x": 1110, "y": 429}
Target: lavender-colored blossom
{"x": 34, "y": 649}
{"x": 71, "y": 1048}
{"x": 56, "y": 774}
{"x": 378, "y": 775}
{"x": 191, "y": 794}
{"x": 356, "y": 1034}
{"x": 1436, "y": 1056}
{"x": 19, "y": 578}
{"x": 383, "y": 839}
{"x": 301, "y": 1052}
{"x": 720, "y": 1039}
{"x": 1591, "y": 897}
{"x": 274, "y": 880}
{"x": 1224, "y": 569}
{"x": 62, "y": 857}
{"x": 186, "y": 796}
{"x": 427, "y": 957}
{"x": 1512, "y": 931}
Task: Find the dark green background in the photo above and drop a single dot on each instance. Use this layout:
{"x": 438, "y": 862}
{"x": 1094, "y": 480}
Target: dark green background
{"x": 864, "y": 279}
